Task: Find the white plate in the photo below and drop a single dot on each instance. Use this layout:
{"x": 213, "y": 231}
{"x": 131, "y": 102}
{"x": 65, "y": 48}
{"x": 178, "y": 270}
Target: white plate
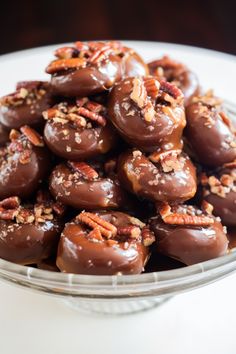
{"x": 202, "y": 321}
{"x": 215, "y": 70}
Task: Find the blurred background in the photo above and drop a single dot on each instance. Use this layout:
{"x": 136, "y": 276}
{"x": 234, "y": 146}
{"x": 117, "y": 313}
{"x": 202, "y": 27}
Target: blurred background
{"x": 204, "y": 23}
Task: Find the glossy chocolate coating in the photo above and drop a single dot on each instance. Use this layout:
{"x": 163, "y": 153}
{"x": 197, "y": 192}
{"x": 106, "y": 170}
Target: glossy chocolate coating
{"x": 28, "y": 243}
{"x": 36, "y": 98}
{"x": 162, "y": 133}
{"x": 212, "y": 139}
{"x": 89, "y": 142}
{"x": 71, "y": 141}
{"x": 98, "y": 77}
{"x": 176, "y": 73}
{"x": 22, "y": 178}
{"x": 141, "y": 176}
{"x": 189, "y": 244}
{"x": 4, "y": 135}
{"x": 71, "y": 188}
{"x": 223, "y": 197}
{"x": 80, "y": 255}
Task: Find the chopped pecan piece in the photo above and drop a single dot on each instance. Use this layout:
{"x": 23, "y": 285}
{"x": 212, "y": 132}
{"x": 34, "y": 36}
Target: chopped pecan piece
{"x": 158, "y": 156}
{"x": 136, "y": 222}
{"x": 65, "y": 64}
{"x": 178, "y": 218}
{"x": 148, "y": 112}
{"x": 8, "y": 214}
{"x": 207, "y": 207}
{"x": 101, "y": 54}
{"x": 131, "y": 231}
{"x": 94, "y": 106}
{"x": 53, "y": 113}
{"x": 152, "y": 86}
{"x": 25, "y": 216}
{"x": 95, "y": 234}
{"x": 139, "y": 93}
{"x": 94, "y": 221}
{"x": 185, "y": 219}
{"x": 208, "y": 99}
{"x": 164, "y": 210}
{"x": 14, "y": 134}
{"x": 32, "y": 136}
{"x": 25, "y": 157}
{"x": 227, "y": 180}
{"x": 147, "y": 236}
{"x": 169, "y": 160}
{"x": 171, "y": 89}
{"x": 10, "y": 203}
{"x": 66, "y": 52}
{"x": 84, "y": 112}
{"x": 84, "y": 169}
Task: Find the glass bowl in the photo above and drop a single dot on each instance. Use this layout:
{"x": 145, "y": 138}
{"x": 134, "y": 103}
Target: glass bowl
{"x": 122, "y": 294}
{"x": 118, "y": 294}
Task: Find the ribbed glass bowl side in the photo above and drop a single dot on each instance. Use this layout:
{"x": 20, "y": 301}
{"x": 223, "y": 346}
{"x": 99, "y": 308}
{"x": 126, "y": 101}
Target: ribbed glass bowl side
{"x": 164, "y": 283}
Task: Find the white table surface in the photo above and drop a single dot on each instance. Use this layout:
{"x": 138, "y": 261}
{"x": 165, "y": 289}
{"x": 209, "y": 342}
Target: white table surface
{"x": 202, "y": 321}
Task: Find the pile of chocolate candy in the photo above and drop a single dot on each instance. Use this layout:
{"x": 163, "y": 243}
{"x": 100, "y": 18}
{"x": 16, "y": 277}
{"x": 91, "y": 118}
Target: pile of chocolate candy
{"x": 115, "y": 166}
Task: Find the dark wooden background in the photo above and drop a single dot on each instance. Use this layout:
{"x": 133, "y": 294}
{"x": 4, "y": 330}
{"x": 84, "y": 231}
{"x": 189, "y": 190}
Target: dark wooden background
{"x": 30, "y": 23}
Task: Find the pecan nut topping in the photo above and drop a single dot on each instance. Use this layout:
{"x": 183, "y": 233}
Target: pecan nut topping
{"x": 148, "y": 236}
{"x": 32, "y": 136}
{"x": 187, "y": 217}
{"x": 84, "y": 169}
{"x": 82, "y": 55}
{"x": 220, "y": 185}
{"x": 94, "y": 221}
{"x": 81, "y": 114}
{"x": 131, "y": 231}
{"x": 147, "y": 91}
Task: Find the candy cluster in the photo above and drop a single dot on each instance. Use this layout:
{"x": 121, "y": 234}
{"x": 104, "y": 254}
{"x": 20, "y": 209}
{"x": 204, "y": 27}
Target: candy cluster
{"x": 114, "y": 164}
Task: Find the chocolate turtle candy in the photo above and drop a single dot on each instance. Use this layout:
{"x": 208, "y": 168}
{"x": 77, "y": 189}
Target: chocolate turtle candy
{"x": 209, "y": 131}
{"x": 24, "y": 163}
{"x": 188, "y": 234}
{"x": 104, "y": 243}
{"x": 147, "y": 113}
{"x": 25, "y": 105}
{"x": 169, "y": 176}
{"x": 92, "y": 67}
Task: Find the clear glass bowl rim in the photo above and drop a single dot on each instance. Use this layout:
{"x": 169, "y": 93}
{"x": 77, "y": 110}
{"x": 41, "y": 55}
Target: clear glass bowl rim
{"x": 160, "y": 283}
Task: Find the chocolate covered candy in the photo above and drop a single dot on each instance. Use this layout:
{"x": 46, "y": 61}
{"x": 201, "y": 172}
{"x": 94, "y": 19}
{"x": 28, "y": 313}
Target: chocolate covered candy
{"x": 78, "y": 131}
{"x": 28, "y": 234}
{"x": 25, "y": 105}
{"x": 92, "y": 67}
{"x": 169, "y": 176}
{"x": 209, "y": 131}
{"x": 104, "y": 243}
{"x": 188, "y": 234}
{"x": 24, "y": 163}
{"x": 147, "y": 113}
{"x": 219, "y": 189}
{"x": 86, "y": 186}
